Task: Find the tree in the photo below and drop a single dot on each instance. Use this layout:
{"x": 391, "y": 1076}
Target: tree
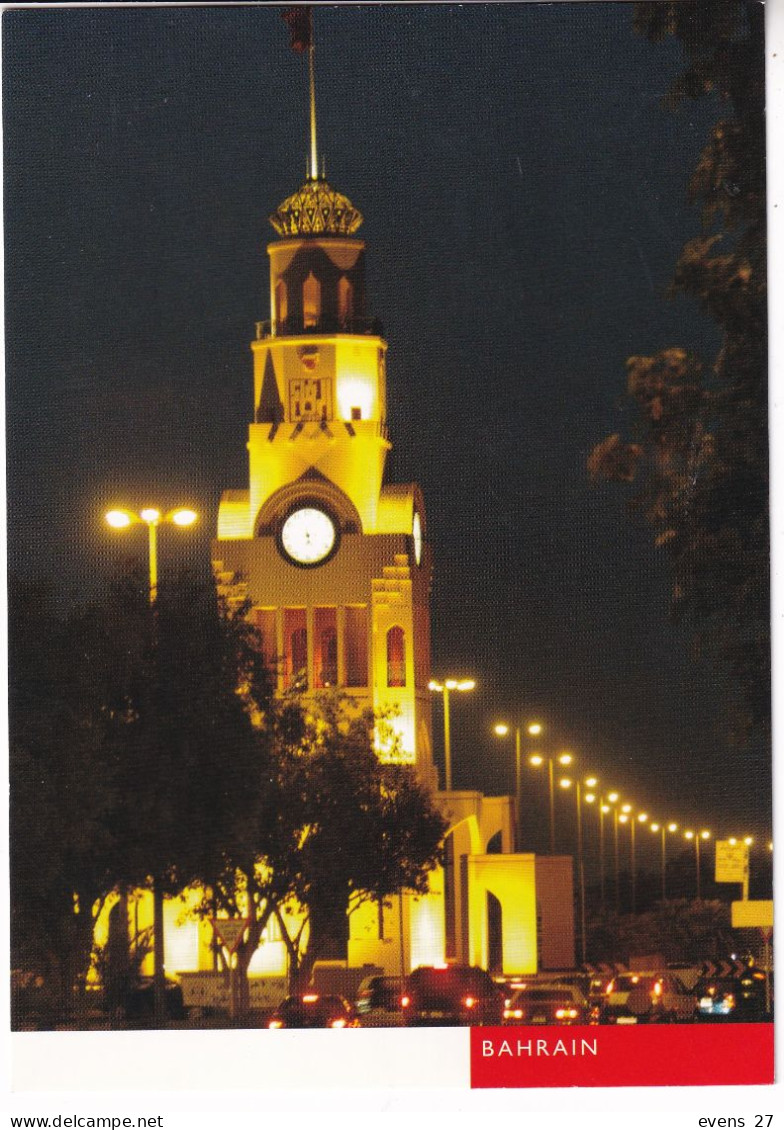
{"x": 64, "y": 794}
{"x": 133, "y": 738}
{"x": 187, "y": 746}
{"x": 333, "y": 826}
{"x": 700, "y": 455}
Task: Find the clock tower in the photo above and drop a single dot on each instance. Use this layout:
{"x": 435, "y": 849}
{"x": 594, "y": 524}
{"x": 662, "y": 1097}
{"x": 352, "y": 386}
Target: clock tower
{"x": 334, "y": 560}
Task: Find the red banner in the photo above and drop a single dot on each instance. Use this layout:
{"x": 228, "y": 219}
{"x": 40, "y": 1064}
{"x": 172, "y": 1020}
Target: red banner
{"x": 656, "y": 1055}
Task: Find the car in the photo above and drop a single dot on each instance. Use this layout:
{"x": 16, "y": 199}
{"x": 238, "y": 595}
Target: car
{"x": 547, "y": 1004}
{"x": 379, "y": 992}
{"x": 451, "y": 995}
{"x": 314, "y": 1010}
{"x": 138, "y": 1000}
{"x": 754, "y": 1001}
{"x": 717, "y": 998}
{"x": 646, "y": 998}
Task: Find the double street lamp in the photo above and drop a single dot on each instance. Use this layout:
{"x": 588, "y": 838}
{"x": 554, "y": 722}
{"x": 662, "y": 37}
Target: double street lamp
{"x": 444, "y": 688}
{"x": 151, "y": 517}
{"x": 627, "y": 817}
{"x": 664, "y": 829}
{"x": 537, "y": 760}
{"x": 502, "y": 729}
{"x": 698, "y": 837}
{"x": 566, "y": 783}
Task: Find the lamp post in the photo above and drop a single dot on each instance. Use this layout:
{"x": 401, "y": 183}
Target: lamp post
{"x": 697, "y": 837}
{"x": 613, "y": 799}
{"x": 123, "y": 519}
{"x": 536, "y": 760}
{"x": 627, "y": 817}
{"x": 664, "y": 828}
{"x": 566, "y": 783}
{"x": 603, "y": 808}
{"x": 444, "y": 690}
{"x": 502, "y": 729}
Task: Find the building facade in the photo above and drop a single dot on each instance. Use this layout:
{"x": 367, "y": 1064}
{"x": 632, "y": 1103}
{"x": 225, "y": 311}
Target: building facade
{"x": 334, "y": 561}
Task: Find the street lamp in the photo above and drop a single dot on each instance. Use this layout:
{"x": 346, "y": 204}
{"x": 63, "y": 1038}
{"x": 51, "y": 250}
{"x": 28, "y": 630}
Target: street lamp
{"x": 122, "y": 519}
{"x": 151, "y": 517}
{"x": 613, "y": 799}
{"x": 664, "y": 828}
{"x": 536, "y": 760}
{"x": 603, "y": 809}
{"x": 444, "y": 690}
{"x": 698, "y": 837}
{"x": 627, "y": 817}
{"x": 501, "y": 729}
{"x": 566, "y": 783}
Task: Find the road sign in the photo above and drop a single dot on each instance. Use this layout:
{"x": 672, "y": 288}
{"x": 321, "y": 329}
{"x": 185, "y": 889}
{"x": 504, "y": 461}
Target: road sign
{"x": 752, "y": 912}
{"x": 732, "y": 862}
{"x": 229, "y": 931}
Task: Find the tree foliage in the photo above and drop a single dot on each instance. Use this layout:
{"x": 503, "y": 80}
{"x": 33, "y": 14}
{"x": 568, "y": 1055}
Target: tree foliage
{"x": 130, "y": 752}
{"x": 64, "y": 792}
{"x": 332, "y": 827}
{"x": 700, "y": 454}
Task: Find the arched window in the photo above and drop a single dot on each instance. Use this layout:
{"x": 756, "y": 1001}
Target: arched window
{"x": 345, "y": 301}
{"x": 311, "y": 301}
{"x": 281, "y": 301}
{"x": 396, "y": 657}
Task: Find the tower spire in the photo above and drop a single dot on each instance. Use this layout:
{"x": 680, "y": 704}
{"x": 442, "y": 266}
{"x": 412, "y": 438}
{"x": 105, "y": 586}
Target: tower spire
{"x": 314, "y": 169}
{"x": 300, "y": 24}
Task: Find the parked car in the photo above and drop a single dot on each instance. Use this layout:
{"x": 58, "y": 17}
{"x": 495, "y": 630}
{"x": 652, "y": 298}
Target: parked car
{"x": 138, "y": 1000}
{"x": 451, "y": 995}
{"x": 314, "y": 1010}
{"x": 646, "y": 998}
{"x": 547, "y": 1004}
{"x": 379, "y": 992}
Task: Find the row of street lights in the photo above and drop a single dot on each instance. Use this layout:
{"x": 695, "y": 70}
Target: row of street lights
{"x": 606, "y": 803}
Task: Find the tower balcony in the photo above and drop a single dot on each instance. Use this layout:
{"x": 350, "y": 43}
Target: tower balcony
{"x": 370, "y": 327}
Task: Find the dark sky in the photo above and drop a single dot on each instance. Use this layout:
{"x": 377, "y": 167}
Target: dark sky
{"x": 524, "y": 195}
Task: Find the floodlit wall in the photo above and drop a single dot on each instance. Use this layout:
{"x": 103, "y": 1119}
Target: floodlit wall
{"x": 555, "y": 902}
{"x": 512, "y": 880}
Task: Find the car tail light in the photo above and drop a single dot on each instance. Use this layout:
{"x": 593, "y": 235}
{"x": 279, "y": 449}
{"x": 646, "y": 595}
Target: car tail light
{"x": 513, "y": 1014}
{"x": 469, "y": 1002}
{"x": 610, "y": 988}
{"x": 657, "y": 989}
{"x": 405, "y": 1002}
{"x": 339, "y": 1023}
{"x": 566, "y": 1014}
{"x": 309, "y": 998}
{"x": 275, "y": 1024}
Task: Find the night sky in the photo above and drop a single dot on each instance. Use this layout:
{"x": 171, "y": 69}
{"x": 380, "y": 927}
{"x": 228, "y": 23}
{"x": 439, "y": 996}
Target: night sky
{"x": 524, "y": 195}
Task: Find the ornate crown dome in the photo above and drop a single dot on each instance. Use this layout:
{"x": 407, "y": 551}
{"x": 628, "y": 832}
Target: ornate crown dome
{"x": 316, "y": 209}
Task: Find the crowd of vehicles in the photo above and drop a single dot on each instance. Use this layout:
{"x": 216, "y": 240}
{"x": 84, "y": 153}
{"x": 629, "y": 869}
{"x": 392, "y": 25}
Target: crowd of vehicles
{"x": 452, "y": 994}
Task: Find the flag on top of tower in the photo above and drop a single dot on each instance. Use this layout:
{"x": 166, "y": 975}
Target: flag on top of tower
{"x": 299, "y": 23}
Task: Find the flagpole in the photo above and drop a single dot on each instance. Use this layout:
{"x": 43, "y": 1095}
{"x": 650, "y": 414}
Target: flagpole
{"x": 314, "y": 172}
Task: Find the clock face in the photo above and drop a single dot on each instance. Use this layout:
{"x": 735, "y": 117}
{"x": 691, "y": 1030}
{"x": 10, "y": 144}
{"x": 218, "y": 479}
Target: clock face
{"x": 308, "y": 536}
{"x": 416, "y": 535}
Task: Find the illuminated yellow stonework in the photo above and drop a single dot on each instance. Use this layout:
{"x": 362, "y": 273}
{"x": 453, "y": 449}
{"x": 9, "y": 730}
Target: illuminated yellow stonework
{"x": 349, "y": 611}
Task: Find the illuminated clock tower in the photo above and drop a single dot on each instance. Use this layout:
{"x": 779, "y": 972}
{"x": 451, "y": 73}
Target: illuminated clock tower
{"x": 334, "y": 561}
